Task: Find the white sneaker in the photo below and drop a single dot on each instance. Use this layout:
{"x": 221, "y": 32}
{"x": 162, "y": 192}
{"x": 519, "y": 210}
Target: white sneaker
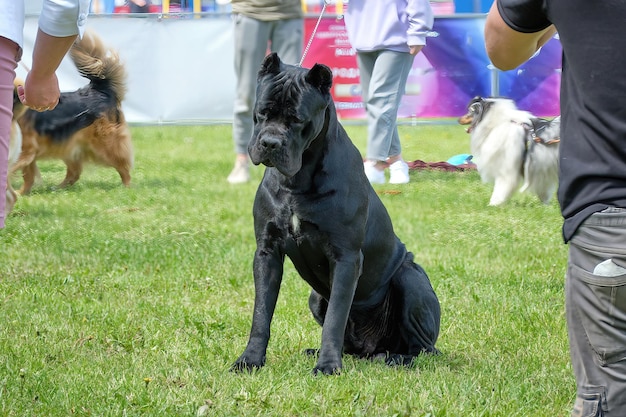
{"x": 240, "y": 173}
{"x": 398, "y": 172}
{"x": 374, "y": 175}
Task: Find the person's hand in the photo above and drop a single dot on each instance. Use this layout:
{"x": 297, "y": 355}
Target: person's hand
{"x": 415, "y": 49}
{"x": 39, "y": 93}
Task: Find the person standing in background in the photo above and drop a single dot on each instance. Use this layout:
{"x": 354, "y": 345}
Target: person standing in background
{"x": 59, "y": 24}
{"x": 386, "y": 34}
{"x": 139, "y": 6}
{"x": 259, "y": 25}
{"x": 592, "y": 176}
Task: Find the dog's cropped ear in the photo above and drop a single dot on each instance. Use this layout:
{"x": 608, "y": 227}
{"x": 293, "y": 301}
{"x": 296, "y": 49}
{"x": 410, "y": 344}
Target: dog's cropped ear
{"x": 320, "y": 77}
{"x": 270, "y": 65}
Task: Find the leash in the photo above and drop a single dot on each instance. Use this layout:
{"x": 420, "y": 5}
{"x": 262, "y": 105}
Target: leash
{"x": 319, "y": 19}
{"x": 23, "y": 65}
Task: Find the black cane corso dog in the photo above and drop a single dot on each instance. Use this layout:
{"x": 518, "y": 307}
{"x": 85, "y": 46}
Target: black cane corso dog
{"x": 316, "y": 206}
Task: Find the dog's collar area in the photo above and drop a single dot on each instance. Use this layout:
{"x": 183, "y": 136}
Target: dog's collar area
{"x": 533, "y": 134}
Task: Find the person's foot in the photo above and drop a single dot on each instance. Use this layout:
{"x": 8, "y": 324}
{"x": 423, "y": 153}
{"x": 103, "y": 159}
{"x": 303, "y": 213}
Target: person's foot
{"x": 373, "y": 173}
{"x": 240, "y": 173}
{"x": 399, "y": 172}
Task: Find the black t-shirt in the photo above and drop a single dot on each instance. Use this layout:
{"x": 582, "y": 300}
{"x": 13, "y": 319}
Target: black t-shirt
{"x": 593, "y": 99}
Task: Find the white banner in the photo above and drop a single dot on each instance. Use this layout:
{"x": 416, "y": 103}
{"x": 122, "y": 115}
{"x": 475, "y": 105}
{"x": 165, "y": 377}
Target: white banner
{"x": 180, "y": 70}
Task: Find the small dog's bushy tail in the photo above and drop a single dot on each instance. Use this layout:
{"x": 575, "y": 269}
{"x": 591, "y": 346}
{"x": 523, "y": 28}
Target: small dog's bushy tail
{"x": 99, "y": 64}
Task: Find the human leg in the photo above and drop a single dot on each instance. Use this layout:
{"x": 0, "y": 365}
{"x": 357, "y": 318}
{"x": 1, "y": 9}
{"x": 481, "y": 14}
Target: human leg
{"x": 286, "y": 40}
{"x": 374, "y": 167}
{"x": 251, "y": 37}
{"x": 8, "y": 53}
{"x": 596, "y": 313}
{"x": 386, "y": 88}
{"x": 384, "y": 84}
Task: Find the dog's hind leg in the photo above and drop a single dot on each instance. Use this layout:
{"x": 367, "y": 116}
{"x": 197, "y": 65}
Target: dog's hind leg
{"x": 318, "y": 306}
{"x": 418, "y": 315}
{"x": 114, "y": 149}
{"x": 541, "y": 172}
{"x": 122, "y": 165}
{"x": 546, "y": 192}
{"x": 124, "y": 161}
{"x": 30, "y": 173}
{"x": 124, "y": 175}
{"x": 74, "y": 169}
{"x": 396, "y": 359}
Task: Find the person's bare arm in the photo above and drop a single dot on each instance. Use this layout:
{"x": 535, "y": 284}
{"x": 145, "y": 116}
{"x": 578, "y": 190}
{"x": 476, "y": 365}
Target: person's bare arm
{"x": 508, "y": 48}
{"x": 41, "y": 87}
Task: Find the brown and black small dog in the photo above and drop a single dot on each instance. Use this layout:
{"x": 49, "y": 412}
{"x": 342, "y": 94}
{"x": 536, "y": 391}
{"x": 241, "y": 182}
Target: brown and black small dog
{"x": 88, "y": 125}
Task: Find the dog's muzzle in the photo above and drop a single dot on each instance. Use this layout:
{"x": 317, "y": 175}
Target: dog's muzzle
{"x": 266, "y": 150}
{"x": 465, "y": 120}
{"x": 269, "y": 143}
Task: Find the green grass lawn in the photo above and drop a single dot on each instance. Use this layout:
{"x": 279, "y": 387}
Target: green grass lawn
{"x": 135, "y": 302}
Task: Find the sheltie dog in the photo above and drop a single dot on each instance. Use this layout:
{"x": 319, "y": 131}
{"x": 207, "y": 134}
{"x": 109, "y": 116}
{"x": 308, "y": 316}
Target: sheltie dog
{"x": 88, "y": 125}
{"x": 15, "y": 145}
{"x": 512, "y": 147}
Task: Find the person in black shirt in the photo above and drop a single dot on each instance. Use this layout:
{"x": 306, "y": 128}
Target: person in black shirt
{"x": 592, "y": 177}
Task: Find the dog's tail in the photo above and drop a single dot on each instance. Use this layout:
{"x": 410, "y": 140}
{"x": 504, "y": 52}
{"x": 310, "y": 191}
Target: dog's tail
{"x": 541, "y": 166}
{"x": 99, "y": 64}
{"x": 18, "y": 107}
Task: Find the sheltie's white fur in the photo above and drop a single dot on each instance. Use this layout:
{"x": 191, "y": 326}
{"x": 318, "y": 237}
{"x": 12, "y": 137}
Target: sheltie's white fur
{"x": 512, "y": 147}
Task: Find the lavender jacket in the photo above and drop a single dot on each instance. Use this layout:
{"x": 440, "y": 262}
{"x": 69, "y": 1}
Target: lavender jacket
{"x": 388, "y": 24}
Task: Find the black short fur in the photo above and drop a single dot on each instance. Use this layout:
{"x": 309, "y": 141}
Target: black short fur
{"x": 316, "y": 206}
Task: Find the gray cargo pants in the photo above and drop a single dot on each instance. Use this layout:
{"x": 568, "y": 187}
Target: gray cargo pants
{"x": 595, "y": 292}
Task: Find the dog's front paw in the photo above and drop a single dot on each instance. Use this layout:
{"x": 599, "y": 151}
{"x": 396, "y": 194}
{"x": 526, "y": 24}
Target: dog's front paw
{"x": 327, "y": 369}
{"x": 243, "y": 363}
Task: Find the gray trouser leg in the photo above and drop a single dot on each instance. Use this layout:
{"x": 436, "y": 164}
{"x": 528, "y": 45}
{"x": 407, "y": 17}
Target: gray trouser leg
{"x": 596, "y": 313}
{"x": 383, "y": 81}
{"x": 286, "y": 40}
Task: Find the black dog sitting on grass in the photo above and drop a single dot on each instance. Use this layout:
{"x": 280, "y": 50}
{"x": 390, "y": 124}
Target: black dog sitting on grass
{"x": 316, "y": 206}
